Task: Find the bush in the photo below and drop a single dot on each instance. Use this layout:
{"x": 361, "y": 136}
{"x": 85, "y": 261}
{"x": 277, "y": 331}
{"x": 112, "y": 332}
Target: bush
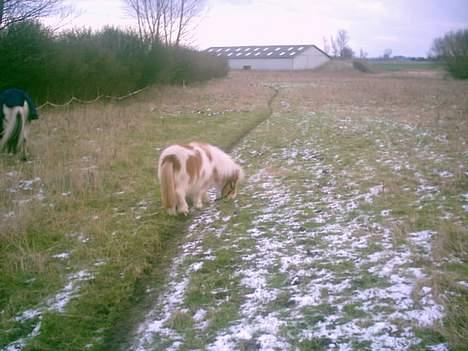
{"x": 452, "y": 49}
{"x": 25, "y": 51}
{"x": 362, "y": 66}
{"x": 85, "y": 64}
{"x": 191, "y": 66}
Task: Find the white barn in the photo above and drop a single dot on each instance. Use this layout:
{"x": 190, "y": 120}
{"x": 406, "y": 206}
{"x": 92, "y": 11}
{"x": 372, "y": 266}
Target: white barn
{"x": 271, "y": 57}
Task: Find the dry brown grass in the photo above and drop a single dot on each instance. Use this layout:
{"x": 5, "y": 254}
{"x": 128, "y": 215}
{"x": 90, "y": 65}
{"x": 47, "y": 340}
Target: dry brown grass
{"x": 238, "y": 92}
{"x": 422, "y": 100}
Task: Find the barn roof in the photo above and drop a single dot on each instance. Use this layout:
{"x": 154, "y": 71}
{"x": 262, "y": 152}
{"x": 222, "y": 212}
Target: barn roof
{"x": 264, "y": 51}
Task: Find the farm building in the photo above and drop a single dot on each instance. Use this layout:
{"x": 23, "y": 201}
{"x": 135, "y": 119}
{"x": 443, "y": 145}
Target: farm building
{"x": 271, "y": 57}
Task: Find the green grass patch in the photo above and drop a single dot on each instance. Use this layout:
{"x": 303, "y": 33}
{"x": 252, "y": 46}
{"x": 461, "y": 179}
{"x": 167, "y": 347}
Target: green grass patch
{"x": 352, "y": 311}
{"x": 180, "y": 321}
{"x": 366, "y": 280}
{"x": 315, "y": 314}
{"x": 317, "y": 344}
{"x": 214, "y": 276}
{"x": 393, "y": 66}
{"x": 428, "y": 337}
{"x": 277, "y": 280}
{"x": 227, "y": 313}
{"x": 338, "y": 267}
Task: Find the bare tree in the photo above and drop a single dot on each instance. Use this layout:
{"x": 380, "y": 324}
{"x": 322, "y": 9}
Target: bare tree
{"x": 150, "y": 16}
{"x": 339, "y": 45}
{"x": 14, "y": 11}
{"x": 342, "y": 40}
{"x": 165, "y": 21}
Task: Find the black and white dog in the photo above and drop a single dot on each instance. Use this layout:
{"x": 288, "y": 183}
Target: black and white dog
{"x": 16, "y": 112}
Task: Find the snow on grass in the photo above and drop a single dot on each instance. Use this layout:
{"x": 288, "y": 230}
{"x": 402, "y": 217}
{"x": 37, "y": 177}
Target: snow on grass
{"x": 56, "y": 303}
{"x": 156, "y": 323}
{"x": 321, "y": 268}
{"x": 21, "y": 343}
{"x": 62, "y": 256}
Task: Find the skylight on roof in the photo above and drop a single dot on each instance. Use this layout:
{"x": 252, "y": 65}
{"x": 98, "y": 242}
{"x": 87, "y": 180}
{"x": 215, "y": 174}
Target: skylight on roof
{"x": 256, "y": 49}
{"x": 248, "y": 54}
{"x": 247, "y": 49}
{"x": 270, "y": 53}
{"x": 238, "y": 49}
{"x": 227, "y": 50}
{"x": 258, "y": 53}
{"x": 210, "y": 50}
{"x": 277, "y": 49}
{"x": 291, "y": 48}
{"x": 266, "y": 49}
{"x": 230, "y": 54}
{"x": 239, "y": 54}
{"x": 292, "y": 53}
{"x": 301, "y": 48}
{"x": 282, "y": 53}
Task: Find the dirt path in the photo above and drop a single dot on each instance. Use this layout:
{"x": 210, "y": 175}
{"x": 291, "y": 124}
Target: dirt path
{"x": 311, "y": 256}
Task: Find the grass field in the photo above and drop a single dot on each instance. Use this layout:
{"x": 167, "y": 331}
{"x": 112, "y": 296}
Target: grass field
{"x": 364, "y": 168}
{"x": 394, "y": 65}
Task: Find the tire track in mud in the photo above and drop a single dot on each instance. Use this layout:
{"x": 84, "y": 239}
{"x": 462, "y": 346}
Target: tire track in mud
{"x": 313, "y": 267}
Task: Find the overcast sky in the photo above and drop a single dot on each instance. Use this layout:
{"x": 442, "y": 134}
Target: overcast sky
{"x": 408, "y": 27}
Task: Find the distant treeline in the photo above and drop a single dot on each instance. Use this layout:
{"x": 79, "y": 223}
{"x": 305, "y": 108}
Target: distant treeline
{"x": 84, "y": 63}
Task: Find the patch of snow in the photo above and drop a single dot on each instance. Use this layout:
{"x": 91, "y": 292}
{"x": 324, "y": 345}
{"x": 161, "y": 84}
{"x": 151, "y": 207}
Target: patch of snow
{"x": 200, "y": 315}
{"x": 57, "y": 303}
{"x": 423, "y": 240}
{"x": 63, "y": 297}
{"x": 385, "y": 213}
{"x": 62, "y": 256}
{"x": 445, "y": 174}
{"x": 99, "y": 262}
{"x": 21, "y": 343}
{"x": 373, "y": 192}
{"x": 438, "y": 347}
{"x": 196, "y": 266}
{"x": 27, "y": 185}
{"x": 82, "y": 237}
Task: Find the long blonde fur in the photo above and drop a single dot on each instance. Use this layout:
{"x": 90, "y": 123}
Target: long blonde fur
{"x": 188, "y": 171}
{"x": 15, "y": 131}
{"x": 168, "y": 194}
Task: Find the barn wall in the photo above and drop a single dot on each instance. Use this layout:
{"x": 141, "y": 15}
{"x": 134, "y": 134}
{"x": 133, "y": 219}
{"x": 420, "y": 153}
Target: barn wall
{"x": 262, "y": 64}
{"x": 309, "y": 59}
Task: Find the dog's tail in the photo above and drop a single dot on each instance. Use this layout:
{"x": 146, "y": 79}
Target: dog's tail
{"x": 167, "y": 168}
{"x": 14, "y": 128}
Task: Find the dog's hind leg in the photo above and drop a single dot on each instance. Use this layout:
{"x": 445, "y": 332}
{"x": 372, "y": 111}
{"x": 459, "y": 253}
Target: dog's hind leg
{"x": 24, "y": 153}
{"x": 24, "y": 146}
